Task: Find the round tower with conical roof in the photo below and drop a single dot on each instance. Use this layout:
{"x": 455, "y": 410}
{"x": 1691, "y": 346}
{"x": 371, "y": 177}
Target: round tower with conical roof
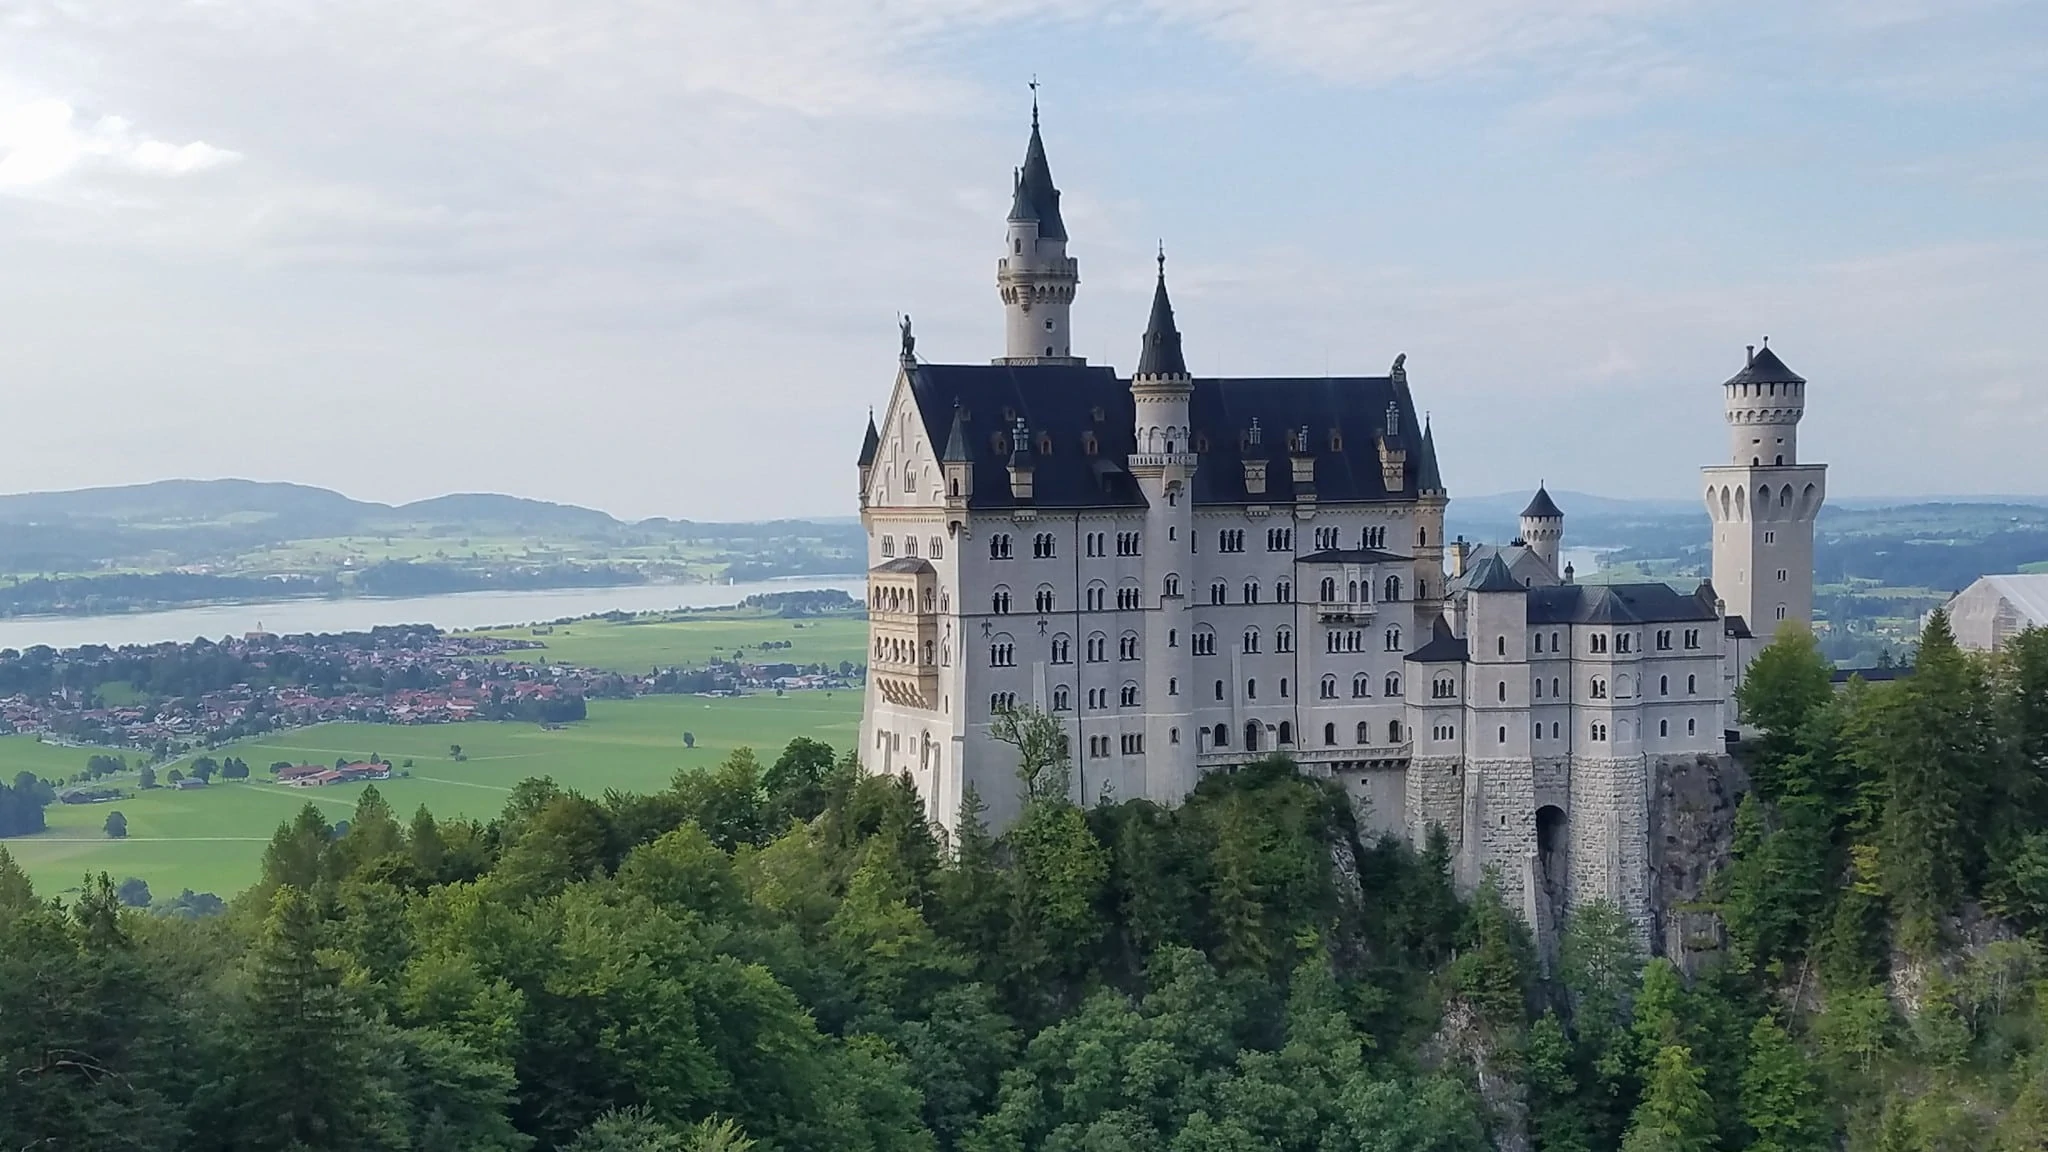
{"x": 1164, "y": 467}
{"x": 1543, "y": 528}
{"x": 1036, "y": 277}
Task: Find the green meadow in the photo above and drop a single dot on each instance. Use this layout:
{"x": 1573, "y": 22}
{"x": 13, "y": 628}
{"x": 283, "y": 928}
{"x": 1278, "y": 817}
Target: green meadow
{"x": 212, "y": 839}
{"x": 655, "y": 641}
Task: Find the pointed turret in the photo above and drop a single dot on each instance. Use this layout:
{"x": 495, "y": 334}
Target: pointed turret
{"x": 1428, "y": 477}
{"x": 1036, "y": 277}
{"x": 957, "y": 465}
{"x": 1035, "y": 198}
{"x": 1543, "y": 527}
{"x": 870, "y": 446}
{"x": 871, "y": 443}
{"x": 1161, "y": 354}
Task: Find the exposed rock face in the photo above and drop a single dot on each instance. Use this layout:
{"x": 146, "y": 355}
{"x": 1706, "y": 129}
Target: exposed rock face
{"x": 1692, "y": 828}
{"x": 1465, "y": 1043}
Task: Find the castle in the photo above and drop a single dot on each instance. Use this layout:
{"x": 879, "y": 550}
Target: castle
{"x": 1191, "y": 572}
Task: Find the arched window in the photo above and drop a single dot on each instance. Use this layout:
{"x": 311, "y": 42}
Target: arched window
{"x": 999, "y": 601}
{"x": 1062, "y": 649}
{"x": 1394, "y": 639}
{"x": 1043, "y": 599}
{"x": 1172, "y": 585}
{"x": 937, "y": 551}
{"x": 1361, "y": 686}
{"x": 1127, "y": 646}
{"x": 1286, "y": 732}
{"x": 1283, "y": 639}
{"x": 1663, "y": 727}
{"x": 1128, "y": 696}
{"x": 1364, "y": 732}
{"x": 1098, "y": 648}
{"x": 1692, "y": 685}
{"x": 1219, "y": 593}
{"x": 1422, "y": 537}
{"x": 1500, "y": 645}
{"x": 1221, "y": 736}
{"x": 1502, "y": 738}
{"x": 1251, "y": 591}
{"x": 1329, "y": 589}
{"x": 889, "y": 546}
{"x": 1251, "y": 735}
{"x": 1251, "y": 640}
{"x": 1351, "y": 592}
{"x": 1394, "y": 732}
{"x": 1663, "y": 685}
{"x": 1329, "y": 735}
{"x": 1251, "y": 689}
{"x": 1393, "y": 589}
{"x": 1503, "y": 693}
{"x": 1393, "y": 685}
{"x": 1329, "y": 688}
{"x": 1061, "y": 701}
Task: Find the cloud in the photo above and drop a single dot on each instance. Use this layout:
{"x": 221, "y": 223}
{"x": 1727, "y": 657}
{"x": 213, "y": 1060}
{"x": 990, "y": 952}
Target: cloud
{"x": 42, "y": 140}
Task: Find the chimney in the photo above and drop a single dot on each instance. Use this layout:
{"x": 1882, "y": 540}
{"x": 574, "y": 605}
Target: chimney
{"x": 1751, "y": 359}
{"x": 1459, "y": 551}
{"x": 1568, "y": 572}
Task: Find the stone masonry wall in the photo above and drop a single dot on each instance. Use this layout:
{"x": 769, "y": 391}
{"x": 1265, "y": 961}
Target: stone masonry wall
{"x": 1435, "y": 794}
{"x": 1608, "y": 854}
{"x": 1505, "y": 839}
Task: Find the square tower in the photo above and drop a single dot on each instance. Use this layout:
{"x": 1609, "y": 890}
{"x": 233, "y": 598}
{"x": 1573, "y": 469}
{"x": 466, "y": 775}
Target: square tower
{"x": 1763, "y": 502}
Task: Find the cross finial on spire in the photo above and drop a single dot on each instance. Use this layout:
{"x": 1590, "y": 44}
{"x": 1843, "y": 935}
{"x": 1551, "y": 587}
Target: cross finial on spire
{"x": 1162, "y": 259}
{"x": 1034, "y": 99}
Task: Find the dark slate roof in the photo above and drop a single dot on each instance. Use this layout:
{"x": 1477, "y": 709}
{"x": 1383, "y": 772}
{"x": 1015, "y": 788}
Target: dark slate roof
{"x": 1222, "y": 412}
{"x": 1161, "y": 355}
{"x": 1492, "y": 576}
{"x": 1058, "y": 401}
{"x": 1616, "y": 604}
{"x": 1036, "y": 198}
{"x": 913, "y": 564}
{"x": 1542, "y": 507}
{"x": 1443, "y": 647}
{"x": 1736, "y": 627}
{"x": 871, "y": 443}
{"x": 1427, "y": 477}
{"x": 1766, "y": 368}
{"x": 1352, "y": 556}
{"x": 1062, "y": 402}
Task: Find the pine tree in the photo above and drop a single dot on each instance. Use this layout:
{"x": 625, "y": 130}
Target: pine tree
{"x": 1781, "y": 1103}
{"x": 1676, "y": 1115}
{"x": 307, "y": 1080}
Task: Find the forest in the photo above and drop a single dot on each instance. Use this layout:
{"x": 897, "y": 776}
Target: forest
{"x": 785, "y": 955}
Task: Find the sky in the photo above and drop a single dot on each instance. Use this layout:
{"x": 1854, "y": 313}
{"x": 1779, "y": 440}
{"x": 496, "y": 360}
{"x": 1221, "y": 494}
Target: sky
{"x": 648, "y": 255}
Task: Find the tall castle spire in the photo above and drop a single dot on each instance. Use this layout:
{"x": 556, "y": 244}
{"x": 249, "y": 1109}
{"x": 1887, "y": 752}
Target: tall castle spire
{"x": 1036, "y": 277}
{"x": 1161, "y": 355}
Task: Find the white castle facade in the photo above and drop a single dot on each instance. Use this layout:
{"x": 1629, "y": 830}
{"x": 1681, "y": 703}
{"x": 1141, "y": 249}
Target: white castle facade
{"x": 1191, "y": 572}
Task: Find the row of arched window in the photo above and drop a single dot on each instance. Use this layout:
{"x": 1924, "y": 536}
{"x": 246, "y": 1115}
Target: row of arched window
{"x": 936, "y": 547}
{"x": 1362, "y": 734}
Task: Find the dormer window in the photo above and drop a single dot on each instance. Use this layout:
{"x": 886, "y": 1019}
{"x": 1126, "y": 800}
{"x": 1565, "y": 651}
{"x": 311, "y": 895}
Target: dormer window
{"x": 1045, "y": 443}
{"x": 1088, "y": 445}
{"x": 1096, "y": 414}
{"x": 1336, "y": 440}
{"x": 1201, "y": 442}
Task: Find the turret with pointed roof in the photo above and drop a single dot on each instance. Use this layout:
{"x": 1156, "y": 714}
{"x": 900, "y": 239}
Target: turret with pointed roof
{"x": 870, "y": 444}
{"x": 1036, "y": 277}
{"x": 1161, "y": 354}
{"x": 1543, "y": 528}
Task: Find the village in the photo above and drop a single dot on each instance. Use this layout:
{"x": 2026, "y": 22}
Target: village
{"x": 169, "y": 699}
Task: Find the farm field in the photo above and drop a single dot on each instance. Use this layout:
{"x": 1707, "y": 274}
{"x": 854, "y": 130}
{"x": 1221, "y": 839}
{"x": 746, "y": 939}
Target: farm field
{"x": 650, "y": 642}
{"x": 212, "y": 839}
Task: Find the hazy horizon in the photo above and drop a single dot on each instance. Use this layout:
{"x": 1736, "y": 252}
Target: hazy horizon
{"x": 650, "y": 259}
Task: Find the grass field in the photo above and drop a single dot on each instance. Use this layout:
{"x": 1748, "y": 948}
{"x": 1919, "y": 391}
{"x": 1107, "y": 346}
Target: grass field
{"x": 211, "y": 840}
{"x": 651, "y": 642}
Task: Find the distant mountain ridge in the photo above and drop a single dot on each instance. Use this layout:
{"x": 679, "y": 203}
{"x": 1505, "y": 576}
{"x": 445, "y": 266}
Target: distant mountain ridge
{"x": 182, "y": 524}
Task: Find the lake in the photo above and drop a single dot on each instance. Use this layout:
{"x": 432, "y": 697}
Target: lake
{"x": 358, "y": 614}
